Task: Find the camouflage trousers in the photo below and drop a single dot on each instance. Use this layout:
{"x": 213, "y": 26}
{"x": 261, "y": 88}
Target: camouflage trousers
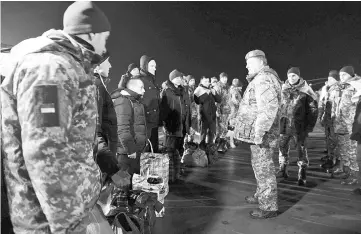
{"x": 331, "y": 142}
{"x": 264, "y": 171}
{"x": 284, "y": 152}
{"x": 222, "y": 125}
{"x": 348, "y": 151}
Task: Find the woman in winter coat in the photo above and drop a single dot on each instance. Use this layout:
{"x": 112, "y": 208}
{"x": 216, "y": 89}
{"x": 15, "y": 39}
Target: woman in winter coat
{"x": 132, "y": 126}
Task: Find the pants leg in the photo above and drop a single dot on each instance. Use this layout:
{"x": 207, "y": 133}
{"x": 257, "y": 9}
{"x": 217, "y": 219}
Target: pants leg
{"x": 212, "y": 132}
{"x": 302, "y": 150}
{"x": 284, "y": 145}
{"x": 264, "y": 172}
{"x": 204, "y": 130}
{"x": 348, "y": 151}
{"x": 331, "y": 143}
{"x": 172, "y": 145}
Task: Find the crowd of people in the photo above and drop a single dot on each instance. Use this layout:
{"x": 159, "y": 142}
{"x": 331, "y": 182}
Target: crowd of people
{"x": 64, "y": 134}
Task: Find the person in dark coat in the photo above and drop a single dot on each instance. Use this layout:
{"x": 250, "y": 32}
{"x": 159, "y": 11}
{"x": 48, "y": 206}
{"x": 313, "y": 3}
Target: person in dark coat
{"x": 132, "y": 126}
{"x": 356, "y": 135}
{"x": 299, "y": 112}
{"x": 106, "y": 141}
{"x": 175, "y": 116}
{"x": 206, "y": 97}
{"x": 150, "y": 99}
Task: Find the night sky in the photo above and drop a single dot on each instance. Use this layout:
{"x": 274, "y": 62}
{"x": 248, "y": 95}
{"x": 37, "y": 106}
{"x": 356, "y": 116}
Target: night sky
{"x": 207, "y": 38}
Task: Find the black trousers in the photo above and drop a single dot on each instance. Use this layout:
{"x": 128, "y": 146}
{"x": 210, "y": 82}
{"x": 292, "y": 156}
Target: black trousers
{"x": 154, "y": 139}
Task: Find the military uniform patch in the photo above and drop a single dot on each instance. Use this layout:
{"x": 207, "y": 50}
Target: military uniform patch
{"x": 47, "y": 107}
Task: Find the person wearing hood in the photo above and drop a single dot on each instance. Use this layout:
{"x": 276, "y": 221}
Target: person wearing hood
{"x": 133, "y": 70}
{"x": 329, "y": 93}
{"x": 343, "y": 114}
{"x": 151, "y": 99}
{"x": 298, "y": 118}
{"x": 131, "y": 120}
{"x": 257, "y": 123}
{"x": 49, "y": 115}
{"x": 206, "y": 97}
{"x": 235, "y": 98}
{"x": 175, "y": 109}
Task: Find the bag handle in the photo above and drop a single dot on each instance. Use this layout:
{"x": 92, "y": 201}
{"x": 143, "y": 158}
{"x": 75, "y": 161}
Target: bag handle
{"x": 151, "y": 146}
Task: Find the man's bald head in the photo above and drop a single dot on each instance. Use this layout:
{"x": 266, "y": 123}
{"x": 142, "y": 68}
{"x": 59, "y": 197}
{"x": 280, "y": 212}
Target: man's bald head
{"x": 136, "y": 85}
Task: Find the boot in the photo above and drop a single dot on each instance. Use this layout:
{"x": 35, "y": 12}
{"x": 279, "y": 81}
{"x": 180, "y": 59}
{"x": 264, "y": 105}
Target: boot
{"x": 341, "y": 173}
{"x": 351, "y": 179}
{"x": 282, "y": 172}
{"x": 302, "y": 173}
{"x": 262, "y": 214}
{"x": 222, "y": 146}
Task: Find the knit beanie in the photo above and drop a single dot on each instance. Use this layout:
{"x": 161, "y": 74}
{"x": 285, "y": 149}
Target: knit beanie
{"x": 132, "y": 66}
{"x": 349, "y": 70}
{"x": 334, "y": 74}
{"x": 85, "y": 17}
{"x": 174, "y": 74}
{"x": 294, "y": 70}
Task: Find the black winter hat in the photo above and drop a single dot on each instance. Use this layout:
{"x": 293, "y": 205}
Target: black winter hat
{"x": 85, "y": 17}
{"x": 294, "y": 70}
{"x": 349, "y": 70}
{"x": 132, "y": 66}
{"x": 334, "y": 74}
{"x": 174, "y": 74}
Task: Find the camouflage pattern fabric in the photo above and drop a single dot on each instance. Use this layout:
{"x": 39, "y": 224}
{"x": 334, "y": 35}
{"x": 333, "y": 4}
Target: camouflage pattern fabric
{"x": 348, "y": 151}
{"x": 259, "y": 111}
{"x": 48, "y": 128}
{"x": 264, "y": 171}
{"x": 331, "y": 142}
{"x": 235, "y": 99}
{"x": 224, "y": 109}
{"x": 343, "y": 109}
{"x": 284, "y": 148}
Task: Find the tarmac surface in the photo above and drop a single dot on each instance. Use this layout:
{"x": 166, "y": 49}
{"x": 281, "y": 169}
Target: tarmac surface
{"x": 211, "y": 200}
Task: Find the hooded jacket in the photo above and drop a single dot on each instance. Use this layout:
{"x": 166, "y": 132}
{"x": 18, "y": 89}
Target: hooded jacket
{"x": 132, "y": 126}
{"x": 175, "y": 109}
{"x": 343, "y": 108}
{"x": 206, "y": 100}
{"x": 105, "y": 147}
{"x": 299, "y": 110}
{"x": 151, "y": 97}
{"x": 49, "y": 118}
{"x": 259, "y": 111}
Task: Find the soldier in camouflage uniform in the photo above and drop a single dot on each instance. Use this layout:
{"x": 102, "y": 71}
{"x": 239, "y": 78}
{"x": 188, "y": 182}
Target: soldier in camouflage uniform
{"x": 324, "y": 113}
{"x": 257, "y": 123}
{"x": 224, "y": 110}
{"x": 343, "y": 112}
{"x": 298, "y": 118}
{"x": 49, "y": 118}
{"x": 235, "y": 98}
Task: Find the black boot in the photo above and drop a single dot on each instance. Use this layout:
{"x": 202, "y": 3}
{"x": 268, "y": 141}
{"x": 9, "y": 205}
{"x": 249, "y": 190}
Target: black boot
{"x": 327, "y": 165}
{"x": 282, "y": 172}
{"x": 302, "y": 174}
{"x": 222, "y": 146}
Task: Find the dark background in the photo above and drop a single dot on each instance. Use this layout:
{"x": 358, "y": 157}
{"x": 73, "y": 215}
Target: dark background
{"x": 207, "y": 38}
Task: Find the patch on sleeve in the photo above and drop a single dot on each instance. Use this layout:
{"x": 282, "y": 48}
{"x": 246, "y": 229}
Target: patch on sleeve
{"x": 46, "y": 106}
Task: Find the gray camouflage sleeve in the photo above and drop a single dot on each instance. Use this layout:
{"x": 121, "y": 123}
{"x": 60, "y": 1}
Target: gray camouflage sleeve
{"x": 55, "y": 109}
{"x": 267, "y": 105}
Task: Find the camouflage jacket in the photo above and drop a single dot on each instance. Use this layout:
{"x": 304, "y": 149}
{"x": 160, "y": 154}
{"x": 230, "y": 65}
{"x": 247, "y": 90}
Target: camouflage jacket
{"x": 224, "y": 107}
{"x": 330, "y": 91}
{"x": 298, "y": 108}
{"x": 48, "y": 128}
{"x": 343, "y": 109}
{"x": 259, "y": 110}
{"x": 235, "y": 98}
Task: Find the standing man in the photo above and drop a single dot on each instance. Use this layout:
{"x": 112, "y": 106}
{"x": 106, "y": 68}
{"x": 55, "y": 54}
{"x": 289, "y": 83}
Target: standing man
{"x": 343, "y": 113}
{"x": 151, "y": 99}
{"x": 175, "y": 109}
{"x": 257, "y": 123}
{"x": 49, "y": 115}
{"x": 205, "y": 96}
{"x": 224, "y": 110}
{"x": 324, "y": 112}
{"x": 298, "y": 118}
